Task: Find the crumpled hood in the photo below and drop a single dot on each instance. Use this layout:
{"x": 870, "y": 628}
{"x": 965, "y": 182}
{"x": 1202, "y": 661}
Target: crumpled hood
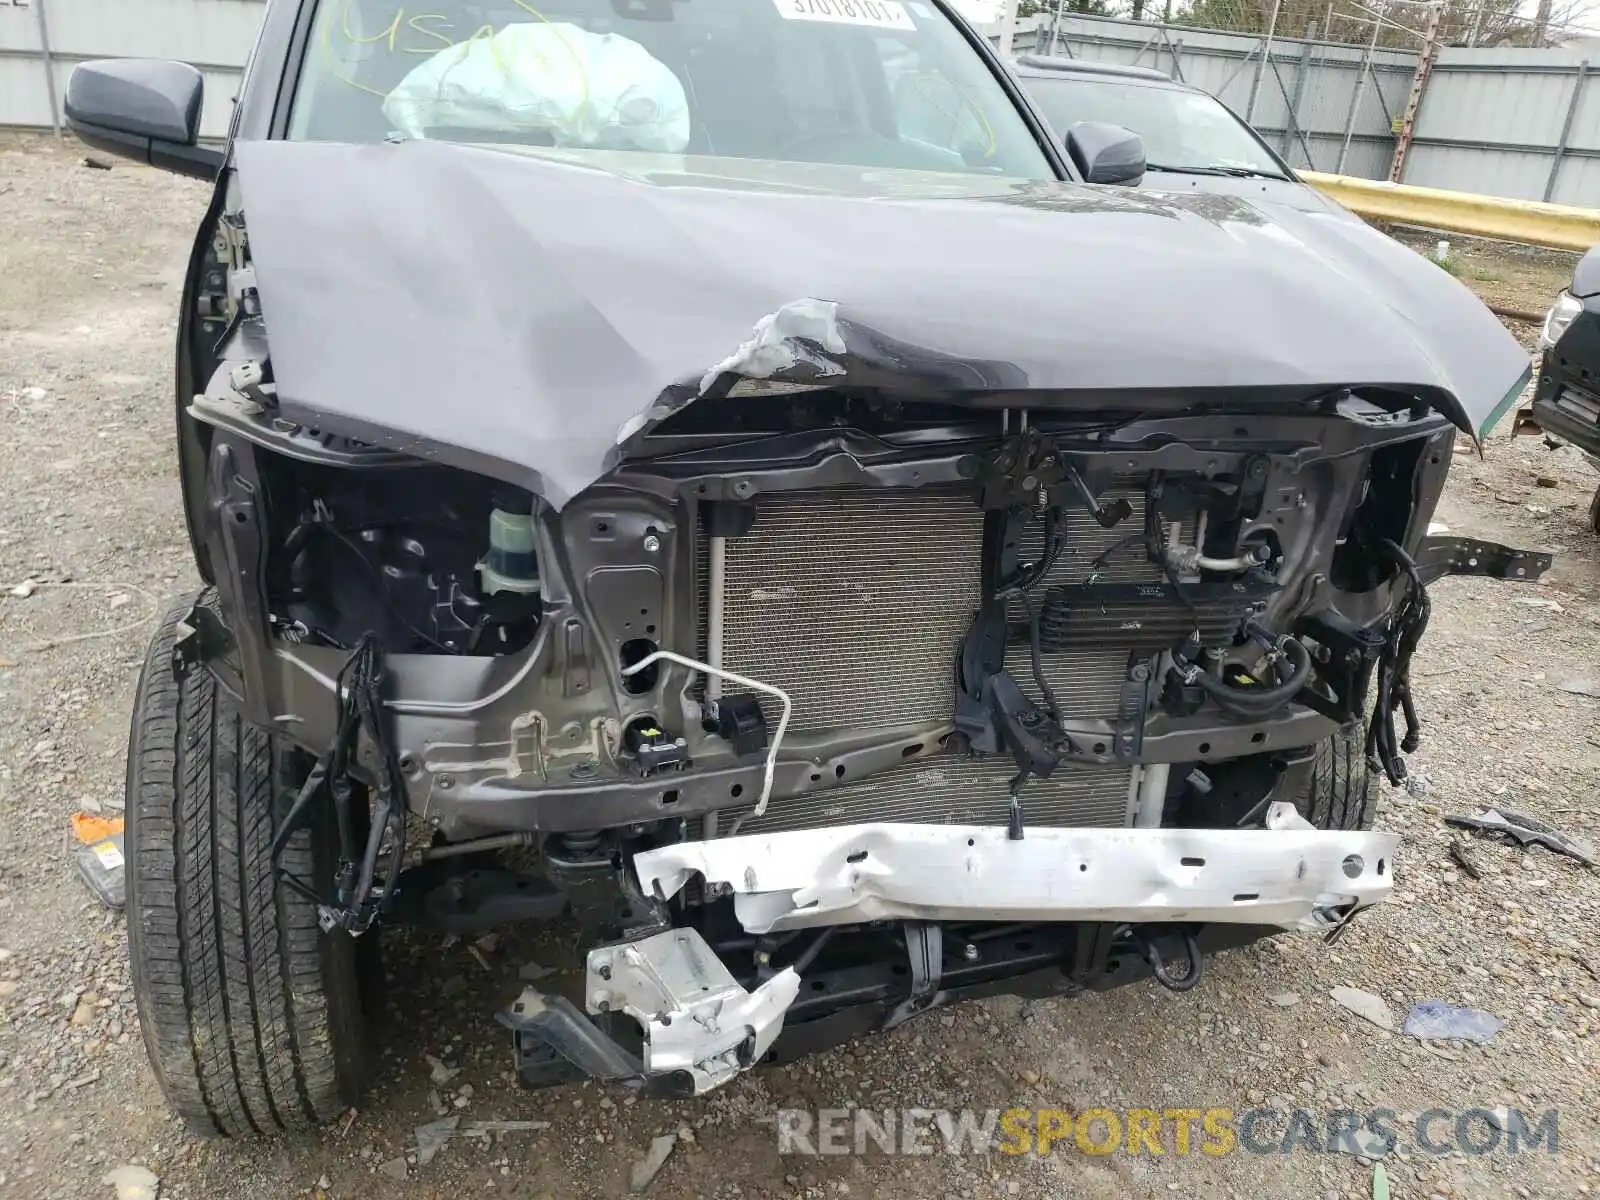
{"x": 524, "y": 315}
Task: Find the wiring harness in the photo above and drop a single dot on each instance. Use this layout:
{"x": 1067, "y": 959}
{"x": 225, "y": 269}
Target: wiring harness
{"x": 360, "y": 896}
{"x": 1406, "y": 627}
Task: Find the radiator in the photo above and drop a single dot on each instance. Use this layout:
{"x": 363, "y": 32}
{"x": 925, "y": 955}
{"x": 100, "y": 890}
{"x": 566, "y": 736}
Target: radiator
{"x": 854, "y": 602}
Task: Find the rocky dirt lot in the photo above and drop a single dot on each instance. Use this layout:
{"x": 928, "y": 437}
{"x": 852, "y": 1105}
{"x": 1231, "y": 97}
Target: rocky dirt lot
{"x": 89, "y": 270}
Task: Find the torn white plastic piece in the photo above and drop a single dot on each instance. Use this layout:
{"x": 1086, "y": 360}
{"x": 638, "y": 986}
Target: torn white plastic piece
{"x": 1288, "y": 876}
{"x": 695, "y": 1016}
{"x": 772, "y": 346}
{"x": 1283, "y": 815}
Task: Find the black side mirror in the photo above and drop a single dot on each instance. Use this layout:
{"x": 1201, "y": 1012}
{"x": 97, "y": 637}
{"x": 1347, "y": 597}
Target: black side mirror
{"x": 146, "y": 109}
{"x": 1586, "y": 276}
{"x": 1106, "y": 153}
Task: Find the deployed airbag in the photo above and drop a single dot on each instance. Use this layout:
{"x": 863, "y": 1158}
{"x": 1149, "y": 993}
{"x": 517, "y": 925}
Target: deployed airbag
{"x": 584, "y": 89}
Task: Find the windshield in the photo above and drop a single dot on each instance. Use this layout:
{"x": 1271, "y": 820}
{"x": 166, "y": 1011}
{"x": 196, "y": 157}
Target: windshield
{"x": 872, "y": 83}
{"x": 1181, "y": 130}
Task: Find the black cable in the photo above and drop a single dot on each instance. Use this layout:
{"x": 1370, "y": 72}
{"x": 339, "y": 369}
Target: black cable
{"x": 1050, "y": 551}
{"x": 293, "y": 818}
{"x": 1036, "y": 656}
{"x": 360, "y": 703}
{"x": 391, "y": 807}
{"x": 1104, "y": 557}
{"x": 1407, "y": 624}
{"x": 1418, "y": 609}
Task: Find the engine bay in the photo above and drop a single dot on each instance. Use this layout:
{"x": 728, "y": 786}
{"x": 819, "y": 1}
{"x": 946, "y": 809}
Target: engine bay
{"x": 918, "y": 578}
{"x": 851, "y": 609}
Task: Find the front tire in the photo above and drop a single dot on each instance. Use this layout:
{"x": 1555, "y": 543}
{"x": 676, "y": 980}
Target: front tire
{"x": 1341, "y": 794}
{"x": 252, "y": 1018}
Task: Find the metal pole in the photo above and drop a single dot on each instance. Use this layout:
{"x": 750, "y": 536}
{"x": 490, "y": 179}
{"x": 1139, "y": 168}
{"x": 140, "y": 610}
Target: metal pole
{"x": 1419, "y": 84}
{"x": 1235, "y": 73}
{"x": 1566, "y": 129}
{"x": 1176, "y": 46}
{"x": 1355, "y": 100}
{"x": 1008, "y": 28}
{"x": 1266, "y": 53}
{"x": 1292, "y": 124}
{"x": 1055, "y": 25}
{"x": 49, "y": 66}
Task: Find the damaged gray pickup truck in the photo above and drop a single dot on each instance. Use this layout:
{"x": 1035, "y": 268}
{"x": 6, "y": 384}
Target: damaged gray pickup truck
{"x": 761, "y": 505}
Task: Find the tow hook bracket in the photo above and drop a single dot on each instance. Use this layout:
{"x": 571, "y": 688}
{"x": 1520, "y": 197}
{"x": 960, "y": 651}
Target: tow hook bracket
{"x": 1441, "y": 556}
{"x": 1146, "y": 942}
{"x": 555, "y": 1042}
{"x": 697, "y": 1019}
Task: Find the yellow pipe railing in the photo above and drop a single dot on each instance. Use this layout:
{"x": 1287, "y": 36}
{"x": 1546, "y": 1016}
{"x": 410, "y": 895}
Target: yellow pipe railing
{"x": 1560, "y": 226}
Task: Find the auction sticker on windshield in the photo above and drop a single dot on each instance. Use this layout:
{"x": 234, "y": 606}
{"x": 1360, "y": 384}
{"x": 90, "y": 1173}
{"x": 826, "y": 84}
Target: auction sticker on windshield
{"x": 881, "y": 14}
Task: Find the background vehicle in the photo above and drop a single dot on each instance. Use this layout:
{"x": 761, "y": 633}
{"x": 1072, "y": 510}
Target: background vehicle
{"x": 753, "y": 485}
{"x": 1566, "y": 400}
{"x": 1191, "y": 139}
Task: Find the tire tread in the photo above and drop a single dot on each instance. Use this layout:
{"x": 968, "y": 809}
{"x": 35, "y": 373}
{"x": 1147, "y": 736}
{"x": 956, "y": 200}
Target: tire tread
{"x": 250, "y": 1016}
{"x": 1341, "y": 793}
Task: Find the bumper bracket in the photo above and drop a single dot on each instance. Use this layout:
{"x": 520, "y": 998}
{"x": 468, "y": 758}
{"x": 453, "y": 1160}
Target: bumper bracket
{"x": 697, "y": 1019}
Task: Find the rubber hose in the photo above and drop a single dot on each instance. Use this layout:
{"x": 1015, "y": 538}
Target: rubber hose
{"x": 1270, "y": 698}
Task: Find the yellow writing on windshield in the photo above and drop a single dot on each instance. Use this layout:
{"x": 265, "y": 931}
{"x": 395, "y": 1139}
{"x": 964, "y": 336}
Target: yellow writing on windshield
{"x": 410, "y": 32}
{"x": 427, "y": 33}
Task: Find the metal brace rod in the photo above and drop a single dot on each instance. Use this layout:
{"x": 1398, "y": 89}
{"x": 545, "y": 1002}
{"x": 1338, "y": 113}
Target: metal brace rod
{"x": 1291, "y": 124}
{"x": 1362, "y": 74}
{"x": 1148, "y": 42}
{"x": 1266, "y": 57}
{"x": 49, "y": 65}
{"x": 1566, "y": 129}
{"x": 1176, "y": 50}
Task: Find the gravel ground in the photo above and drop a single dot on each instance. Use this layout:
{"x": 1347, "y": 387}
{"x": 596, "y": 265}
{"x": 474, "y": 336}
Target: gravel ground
{"x": 89, "y": 271}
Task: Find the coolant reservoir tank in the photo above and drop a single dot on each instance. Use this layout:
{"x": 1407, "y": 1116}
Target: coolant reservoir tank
{"x": 510, "y": 565}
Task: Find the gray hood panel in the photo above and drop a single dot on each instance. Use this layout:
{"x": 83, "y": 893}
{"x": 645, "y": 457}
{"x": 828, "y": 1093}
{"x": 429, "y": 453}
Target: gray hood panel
{"x": 521, "y": 315}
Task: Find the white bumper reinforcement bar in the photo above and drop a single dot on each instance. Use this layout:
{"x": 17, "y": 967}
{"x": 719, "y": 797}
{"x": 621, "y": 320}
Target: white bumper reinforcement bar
{"x": 1289, "y": 875}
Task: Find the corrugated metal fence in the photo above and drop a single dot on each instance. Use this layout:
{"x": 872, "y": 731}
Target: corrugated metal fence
{"x": 1520, "y": 123}
{"x": 214, "y": 35}
{"x": 1315, "y": 81}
